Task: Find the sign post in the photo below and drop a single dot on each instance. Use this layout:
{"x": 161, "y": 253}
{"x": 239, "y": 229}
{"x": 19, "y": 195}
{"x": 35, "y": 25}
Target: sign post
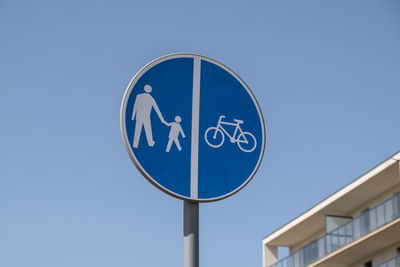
{"x": 193, "y": 129}
{"x": 190, "y": 234}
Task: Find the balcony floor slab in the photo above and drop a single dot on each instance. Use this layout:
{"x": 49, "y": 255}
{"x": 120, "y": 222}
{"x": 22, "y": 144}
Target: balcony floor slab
{"x": 362, "y": 248}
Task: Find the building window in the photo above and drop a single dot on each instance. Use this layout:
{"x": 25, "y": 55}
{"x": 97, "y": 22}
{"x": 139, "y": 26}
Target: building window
{"x": 368, "y": 264}
{"x": 365, "y": 223}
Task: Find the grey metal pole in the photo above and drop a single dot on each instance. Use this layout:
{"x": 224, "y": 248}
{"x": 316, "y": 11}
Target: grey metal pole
{"x": 191, "y": 234}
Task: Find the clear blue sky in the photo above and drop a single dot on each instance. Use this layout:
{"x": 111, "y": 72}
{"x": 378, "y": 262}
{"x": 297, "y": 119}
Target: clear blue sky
{"x": 326, "y": 75}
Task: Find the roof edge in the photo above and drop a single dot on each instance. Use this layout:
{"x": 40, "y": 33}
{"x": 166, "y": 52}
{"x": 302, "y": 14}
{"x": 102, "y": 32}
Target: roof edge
{"x": 335, "y": 196}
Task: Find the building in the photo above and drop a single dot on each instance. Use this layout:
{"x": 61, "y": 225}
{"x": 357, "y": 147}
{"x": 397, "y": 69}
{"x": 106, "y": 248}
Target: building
{"x": 357, "y": 226}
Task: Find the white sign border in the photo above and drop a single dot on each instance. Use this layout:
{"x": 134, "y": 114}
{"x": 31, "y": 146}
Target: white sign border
{"x": 128, "y": 91}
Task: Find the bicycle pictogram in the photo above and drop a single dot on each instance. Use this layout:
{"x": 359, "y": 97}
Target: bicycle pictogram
{"x": 215, "y": 136}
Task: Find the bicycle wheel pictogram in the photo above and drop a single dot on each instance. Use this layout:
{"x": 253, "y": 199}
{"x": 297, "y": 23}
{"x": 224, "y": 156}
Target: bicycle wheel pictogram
{"x": 247, "y": 142}
{"x": 214, "y": 137}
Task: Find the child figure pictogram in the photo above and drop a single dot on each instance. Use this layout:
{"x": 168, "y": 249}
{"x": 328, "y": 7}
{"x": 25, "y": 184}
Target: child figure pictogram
{"x": 173, "y": 136}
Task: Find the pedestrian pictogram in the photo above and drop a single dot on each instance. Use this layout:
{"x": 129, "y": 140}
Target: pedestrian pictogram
{"x": 142, "y": 108}
{"x": 176, "y": 129}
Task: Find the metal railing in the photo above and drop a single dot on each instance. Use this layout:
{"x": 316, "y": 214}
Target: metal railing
{"x": 367, "y": 222}
{"x": 395, "y": 262}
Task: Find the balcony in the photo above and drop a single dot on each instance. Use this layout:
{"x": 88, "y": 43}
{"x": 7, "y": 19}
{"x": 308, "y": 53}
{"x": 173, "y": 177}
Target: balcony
{"x": 395, "y": 262}
{"x": 366, "y": 223}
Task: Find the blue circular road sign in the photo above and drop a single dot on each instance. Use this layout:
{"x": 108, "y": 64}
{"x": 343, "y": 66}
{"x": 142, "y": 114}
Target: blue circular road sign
{"x": 192, "y": 127}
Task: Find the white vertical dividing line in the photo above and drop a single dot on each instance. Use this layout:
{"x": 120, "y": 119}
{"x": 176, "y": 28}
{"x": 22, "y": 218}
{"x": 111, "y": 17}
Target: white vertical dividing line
{"x": 194, "y": 160}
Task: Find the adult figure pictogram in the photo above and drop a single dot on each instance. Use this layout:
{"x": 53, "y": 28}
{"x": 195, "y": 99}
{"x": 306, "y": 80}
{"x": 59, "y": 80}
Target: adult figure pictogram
{"x": 144, "y": 104}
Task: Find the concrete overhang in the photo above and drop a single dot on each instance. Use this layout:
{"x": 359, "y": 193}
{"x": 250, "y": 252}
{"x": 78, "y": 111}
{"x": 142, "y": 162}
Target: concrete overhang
{"x": 366, "y": 188}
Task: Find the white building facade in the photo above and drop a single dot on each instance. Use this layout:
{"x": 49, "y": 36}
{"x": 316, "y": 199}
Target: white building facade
{"x": 357, "y": 226}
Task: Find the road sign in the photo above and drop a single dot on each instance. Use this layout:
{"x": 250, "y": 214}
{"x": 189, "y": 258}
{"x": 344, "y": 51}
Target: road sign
{"x": 192, "y": 127}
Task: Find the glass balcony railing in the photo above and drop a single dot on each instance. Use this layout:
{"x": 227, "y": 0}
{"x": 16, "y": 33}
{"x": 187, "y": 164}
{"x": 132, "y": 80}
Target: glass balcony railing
{"x": 395, "y": 262}
{"x": 367, "y": 222}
